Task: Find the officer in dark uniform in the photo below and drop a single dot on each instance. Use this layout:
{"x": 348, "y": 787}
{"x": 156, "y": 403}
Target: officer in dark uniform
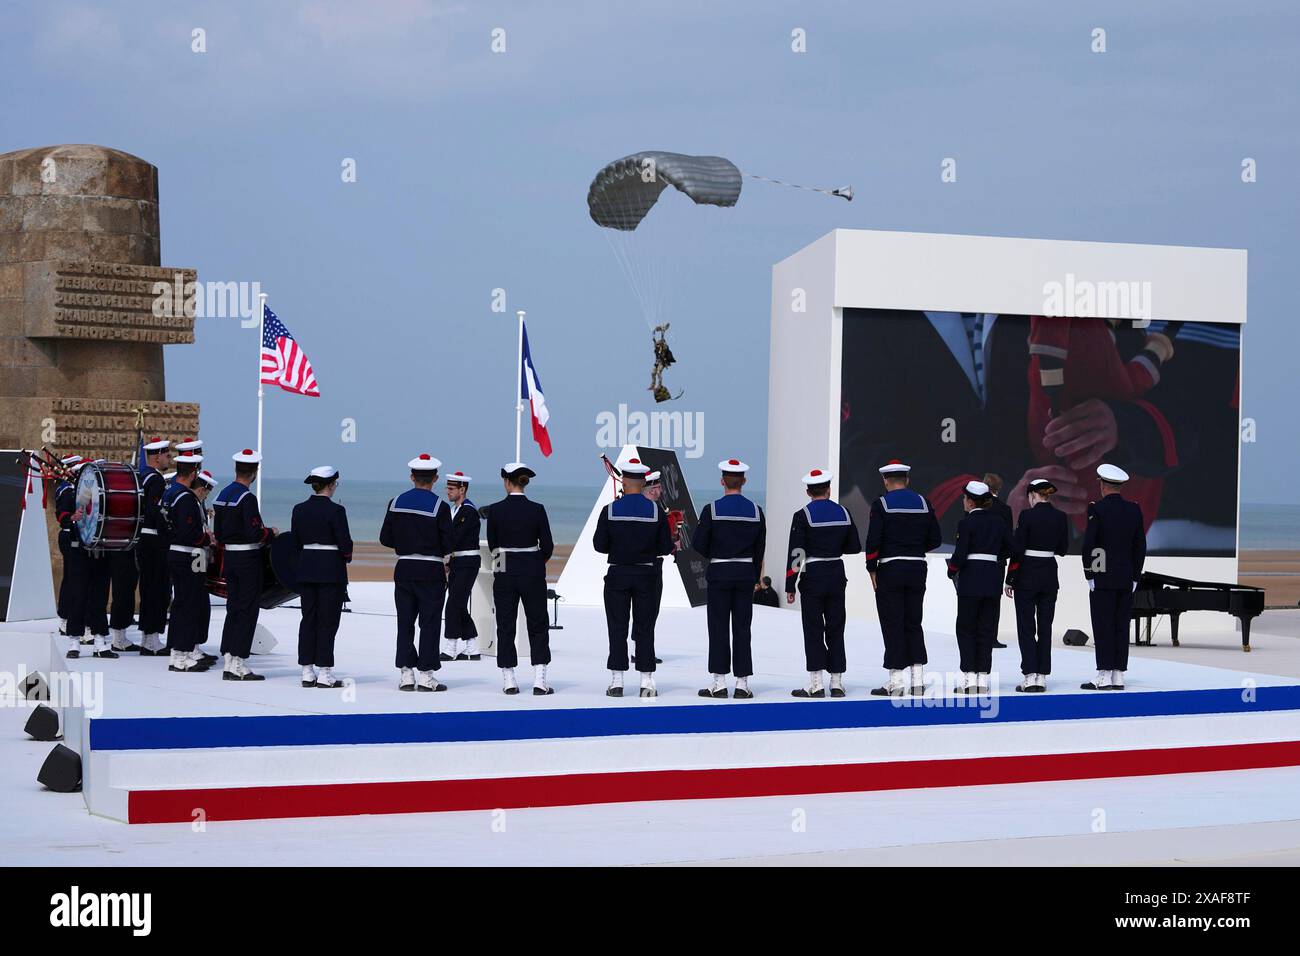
{"x": 633, "y": 531}
{"x": 1042, "y": 534}
{"x": 821, "y": 533}
{"x": 187, "y": 540}
{"x": 151, "y": 551}
{"x": 977, "y": 562}
{"x": 320, "y": 528}
{"x": 65, "y": 505}
{"x": 237, "y": 526}
{"x": 1002, "y": 510}
{"x": 460, "y": 639}
{"x": 901, "y": 529}
{"x": 1114, "y": 550}
{"x": 417, "y": 526}
{"x": 654, "y": 489}
{"x": 731, "y": 535}
{"x": 519, "y": 537}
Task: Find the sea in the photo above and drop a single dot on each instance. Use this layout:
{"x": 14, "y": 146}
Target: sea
{"x": 1263, "y": 526}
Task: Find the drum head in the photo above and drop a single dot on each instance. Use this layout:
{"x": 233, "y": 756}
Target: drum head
{"x": 90, "y": 501}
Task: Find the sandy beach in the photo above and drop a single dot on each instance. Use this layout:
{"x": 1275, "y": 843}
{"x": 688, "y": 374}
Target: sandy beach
{"x": 371, "y": 561}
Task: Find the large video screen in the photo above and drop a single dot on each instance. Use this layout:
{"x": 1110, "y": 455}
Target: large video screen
{"x": 959, "y": 395}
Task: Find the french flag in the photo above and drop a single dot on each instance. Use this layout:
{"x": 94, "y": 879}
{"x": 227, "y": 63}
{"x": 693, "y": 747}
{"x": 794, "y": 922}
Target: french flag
{"x": 530, "y": 391}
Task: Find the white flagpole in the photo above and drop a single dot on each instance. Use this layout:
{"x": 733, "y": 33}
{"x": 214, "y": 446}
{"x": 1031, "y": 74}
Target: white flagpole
{"x": 519, "y": 378}
{"x": 261, "y": 329}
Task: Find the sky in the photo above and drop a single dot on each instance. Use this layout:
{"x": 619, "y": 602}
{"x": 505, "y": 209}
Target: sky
{"x": 472, "y": 168}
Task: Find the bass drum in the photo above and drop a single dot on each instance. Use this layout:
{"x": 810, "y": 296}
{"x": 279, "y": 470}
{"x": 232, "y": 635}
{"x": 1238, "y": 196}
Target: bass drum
{"x": 279, "y": 571}
{"x": 111, "y": 500}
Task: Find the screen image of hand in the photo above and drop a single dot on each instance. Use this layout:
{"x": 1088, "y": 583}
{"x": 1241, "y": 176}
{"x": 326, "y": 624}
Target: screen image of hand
{"x": 1082, "y": 435}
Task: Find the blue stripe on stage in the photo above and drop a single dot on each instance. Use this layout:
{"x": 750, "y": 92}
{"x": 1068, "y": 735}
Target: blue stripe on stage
{"x": 298, "y": 730}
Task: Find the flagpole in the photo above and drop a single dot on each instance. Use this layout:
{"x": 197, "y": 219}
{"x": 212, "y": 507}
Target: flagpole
{"x": 519, "y": 395}
{"x": 261, "y": 323}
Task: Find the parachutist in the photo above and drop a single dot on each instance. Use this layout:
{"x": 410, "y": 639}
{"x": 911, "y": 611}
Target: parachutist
{"x": 663, "y": 358}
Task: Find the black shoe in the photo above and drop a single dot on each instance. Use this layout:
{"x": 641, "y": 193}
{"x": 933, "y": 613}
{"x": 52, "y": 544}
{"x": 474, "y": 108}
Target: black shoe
{"x": 408, "y": 688}
{"x": 338, "y": 683}
{"x": 805, "y": 693}
{"x": 886, "y": 692}
{"x": 1091, "y": 686}
{"x": 719, "y": 694}
{"x": 1114, "y": 687}
{"x": 614, "y": 692}
{"x": 145, "y": 652}
{"x": 837, "y": 691}
{"x": 511, "y": 690}
{"x": 105, "y": 655}
{"x": 1025, "y": 688}
{"x": 192, "y": 669}
{"x": 208, "y": 659}
{"x": 129, "y": 649}
{"x": 73, "y": 654}
{"x": 430, "y": 690}
{"x": 444, "y": 656}
{"x": 998, "y": 644}
{"x": 742, "y": 694}
{"x": 475, "y": 657}
{"x": 461, "y": 657}
{"x": 1038, "y": 689}
{"x": 306, "y": 683}
{"x": 538, "y": 692}
{"x": 228, "y": 675}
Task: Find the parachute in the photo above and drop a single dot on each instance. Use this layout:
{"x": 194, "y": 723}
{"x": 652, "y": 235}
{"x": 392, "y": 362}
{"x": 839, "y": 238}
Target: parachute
{"x": 626, "y": 190}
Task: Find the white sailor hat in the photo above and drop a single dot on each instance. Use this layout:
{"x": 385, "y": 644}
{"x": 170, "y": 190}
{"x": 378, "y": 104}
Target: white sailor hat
{"x": 424, "y": 462}
{"x": 247, "y": 457}
{"x": 323, "y": 473}
{"x": 634, "y": 467}
{"x": 977, "y": 489}
{"x": 654, "y": 476}
{"x": 894, "y": 467}
{"x": 1042, "y": 485}
{"x": 1112, "y": 474}
{"x": 207, "y": 479}
{"x": 733, "y": 466}
{"x": 512, "y": 468}
{"x": 458, "y": 478}
{"x": 157, "y": 444}
{"x": 817, "y": 476}
{"x": 189, "y": 444}
{"x": 69, "y": 461}
{"x": 188, "y": 459}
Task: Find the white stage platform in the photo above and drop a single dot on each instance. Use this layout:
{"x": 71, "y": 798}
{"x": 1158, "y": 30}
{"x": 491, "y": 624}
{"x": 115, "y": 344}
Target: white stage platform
{"x": 164, "y": 747}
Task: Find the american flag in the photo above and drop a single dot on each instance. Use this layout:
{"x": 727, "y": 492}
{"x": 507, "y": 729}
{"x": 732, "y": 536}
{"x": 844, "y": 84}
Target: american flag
{"x": 283, "y": 362}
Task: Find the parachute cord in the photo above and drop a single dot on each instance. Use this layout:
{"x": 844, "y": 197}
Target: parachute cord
{"x": 844, "y": 192}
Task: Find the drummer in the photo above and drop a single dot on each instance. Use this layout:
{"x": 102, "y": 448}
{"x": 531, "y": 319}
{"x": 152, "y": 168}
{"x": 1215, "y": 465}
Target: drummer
{"x": 320, "y": 526}
{"x": 65, "y": 504}
{"x": 238, "y": 528}
{"x": 187, "y": 626}
{"x": 85, "y": 575}
{"x": 151, "y": 551}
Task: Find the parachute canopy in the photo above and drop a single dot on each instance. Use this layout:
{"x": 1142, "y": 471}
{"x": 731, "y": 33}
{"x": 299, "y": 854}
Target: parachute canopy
{"x": 624, "y": 191}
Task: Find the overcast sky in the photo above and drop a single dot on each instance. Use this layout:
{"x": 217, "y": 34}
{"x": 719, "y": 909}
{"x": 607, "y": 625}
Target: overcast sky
{"x": 472, "y": 170}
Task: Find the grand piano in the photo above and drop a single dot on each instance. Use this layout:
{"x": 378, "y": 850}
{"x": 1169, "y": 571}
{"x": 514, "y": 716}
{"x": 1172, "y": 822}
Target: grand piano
{"x": 1158, "y": 594}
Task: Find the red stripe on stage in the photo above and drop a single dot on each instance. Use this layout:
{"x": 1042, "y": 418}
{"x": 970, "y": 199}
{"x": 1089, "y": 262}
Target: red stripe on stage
{"x": 425, "y": 796}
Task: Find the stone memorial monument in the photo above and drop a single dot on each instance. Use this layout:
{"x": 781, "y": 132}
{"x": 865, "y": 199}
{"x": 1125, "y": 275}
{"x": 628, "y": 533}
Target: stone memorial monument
{"x": 81, "y": 331}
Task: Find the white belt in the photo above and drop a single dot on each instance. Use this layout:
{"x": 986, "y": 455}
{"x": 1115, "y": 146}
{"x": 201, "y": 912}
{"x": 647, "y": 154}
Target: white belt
{"x": 186, "y": 549}
{"x": 421, "y": 557}
{"x": 812, "y": 560}
{"x": 731, "y": 560}
{"x": 1040, "y": 554}
{"x": 243, "y": 547}
{"x": 148, "y": 530}
{"x": 902, "y": 557}
{"x": 518, "y": 550}
{"x": 320, "y": 547}
{"x": 981, "y": 557}
{"x": 464, "y": 554}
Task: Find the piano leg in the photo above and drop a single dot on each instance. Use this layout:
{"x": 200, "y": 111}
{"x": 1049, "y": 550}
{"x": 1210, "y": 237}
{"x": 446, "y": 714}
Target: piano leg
{"x": 1173, "y": 626}
{"x": 1245, "y": 633}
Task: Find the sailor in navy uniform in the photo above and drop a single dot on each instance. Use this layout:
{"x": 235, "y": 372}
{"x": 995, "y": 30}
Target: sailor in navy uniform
{"x": 821, "y": 533}
{"x": 320, "y": 528}
{"x": 902, "y": 527}
{"x": 633, "y": 531}
{"x": 124, "y": 576}
{"x": 519, "y": 537}
{"x": 151, "y": 551}
{"x": 203, "y": 487}
{"x": 731, "y": 536}
{"x": 417, "y": 526}
{"x": 237, "y": 526}
{"x": 1114, "y": 550}
{"x": 1042, "y": 535}
{"x": 460, "y": 639}
{"x": 65, "y": 504}
{"x": 187, "y": 541}
{"x": 977, "y": 563}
